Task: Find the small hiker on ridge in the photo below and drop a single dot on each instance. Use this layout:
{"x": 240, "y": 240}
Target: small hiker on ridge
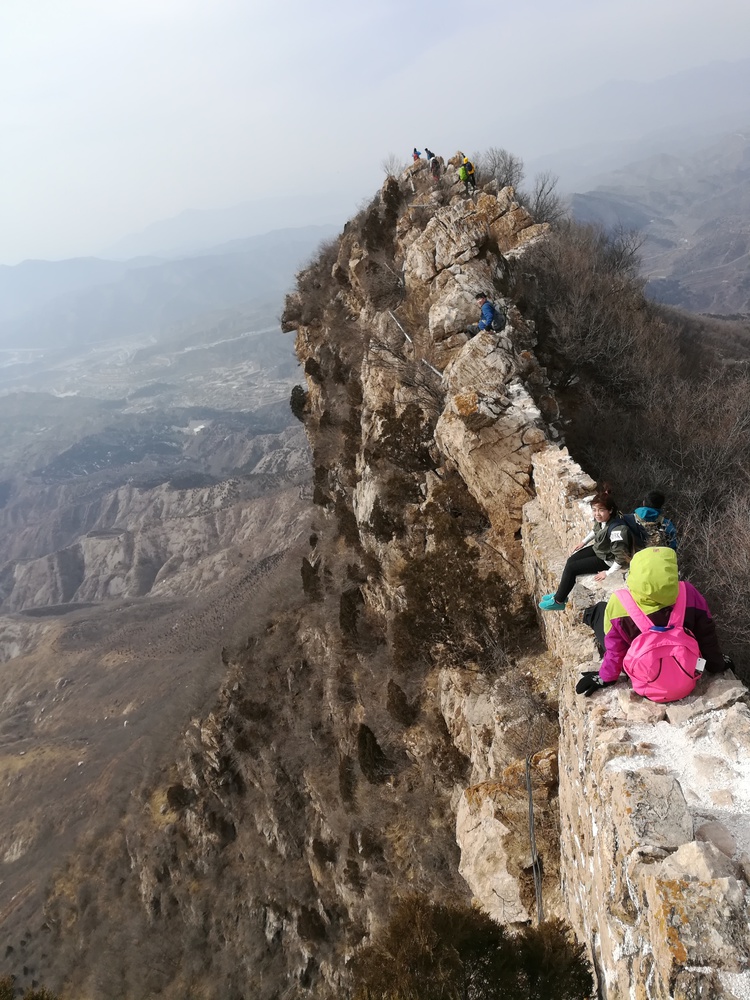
{"x": 471, "y": 177}
{"x": 416, "y": 155}
{"x": 492, "y": 318}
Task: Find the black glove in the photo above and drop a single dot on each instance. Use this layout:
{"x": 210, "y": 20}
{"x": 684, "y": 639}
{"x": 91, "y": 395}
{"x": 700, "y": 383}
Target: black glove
{"x": 729, "y": 663}
{"x": 591, "y": 681}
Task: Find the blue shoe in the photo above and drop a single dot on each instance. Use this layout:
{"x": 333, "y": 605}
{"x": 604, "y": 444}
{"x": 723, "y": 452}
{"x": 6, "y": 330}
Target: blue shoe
{"x": 548, "y": 603}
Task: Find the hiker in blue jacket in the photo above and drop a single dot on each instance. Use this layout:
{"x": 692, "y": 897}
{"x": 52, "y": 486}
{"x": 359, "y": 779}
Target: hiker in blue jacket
{"x": 491, "y": 319}
{"x": 649, "y": 526}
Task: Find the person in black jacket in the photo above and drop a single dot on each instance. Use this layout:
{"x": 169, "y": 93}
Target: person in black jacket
{"x": 610, "y": 550}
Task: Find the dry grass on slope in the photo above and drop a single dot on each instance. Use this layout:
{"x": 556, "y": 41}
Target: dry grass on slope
{"x": 649, "y": 401}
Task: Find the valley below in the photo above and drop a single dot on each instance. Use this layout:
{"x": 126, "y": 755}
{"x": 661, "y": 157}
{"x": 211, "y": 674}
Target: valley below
{"x": 147, "y": 488}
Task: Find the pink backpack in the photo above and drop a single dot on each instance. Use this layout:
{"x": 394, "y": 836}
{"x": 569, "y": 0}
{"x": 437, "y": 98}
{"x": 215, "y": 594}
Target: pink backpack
{"x": 662, "y": 660}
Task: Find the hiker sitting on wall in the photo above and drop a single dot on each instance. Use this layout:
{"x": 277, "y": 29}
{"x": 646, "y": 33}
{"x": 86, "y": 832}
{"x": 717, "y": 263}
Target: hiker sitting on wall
{"x": 649, "y": 526}
{"x": 492, "y": 318}
{"x": 610, "y": 550}
{"x": 659, "y": 630}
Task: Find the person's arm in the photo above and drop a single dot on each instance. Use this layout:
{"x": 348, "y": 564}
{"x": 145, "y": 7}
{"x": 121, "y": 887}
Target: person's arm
{"x": 616, "y": 645}
{"x": 587, "y": 539}
{"x": 699, "y": 620}
{"x": 671, "y": 533}
{"x": 621, "y": 547}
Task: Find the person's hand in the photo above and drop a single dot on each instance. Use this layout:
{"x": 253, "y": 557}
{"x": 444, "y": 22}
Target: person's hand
{"x": 579, "y": 546}
{"x": 590, "y": 682}
{"x": 600, "y": 576}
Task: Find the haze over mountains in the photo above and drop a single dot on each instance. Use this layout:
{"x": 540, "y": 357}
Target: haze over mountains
{"x": 151, "y": 476}
{"x": 54, "y": 304}
{"x": 623, "y": 121}
{"x": 693, "y": 210}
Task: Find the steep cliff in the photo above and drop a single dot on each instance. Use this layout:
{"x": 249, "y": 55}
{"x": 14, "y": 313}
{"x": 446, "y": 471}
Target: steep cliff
{"x": 391, "y": 719}
{"x": 397, "y": 682}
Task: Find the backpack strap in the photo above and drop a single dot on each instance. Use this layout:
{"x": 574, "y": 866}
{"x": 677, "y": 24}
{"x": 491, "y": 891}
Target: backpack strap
{"x": 640, "y": 618}
{"x": 677, "y": 617}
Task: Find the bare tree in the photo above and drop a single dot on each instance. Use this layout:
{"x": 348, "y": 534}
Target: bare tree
{"x": 393, "y": 165}
{"x": 498, "y": 164}
{"x": 544, "y": 201}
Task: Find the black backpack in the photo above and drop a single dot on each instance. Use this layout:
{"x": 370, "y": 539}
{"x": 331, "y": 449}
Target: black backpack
{"x": 499, "y": 320}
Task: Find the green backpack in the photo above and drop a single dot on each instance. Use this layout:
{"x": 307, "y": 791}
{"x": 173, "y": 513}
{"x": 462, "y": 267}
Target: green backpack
{"x": 462, "y": 174}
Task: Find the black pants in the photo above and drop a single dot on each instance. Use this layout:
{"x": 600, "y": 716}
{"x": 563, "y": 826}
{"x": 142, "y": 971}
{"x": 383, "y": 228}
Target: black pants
{"x": 594, "y": 618}
{"x": 579, "y": 564}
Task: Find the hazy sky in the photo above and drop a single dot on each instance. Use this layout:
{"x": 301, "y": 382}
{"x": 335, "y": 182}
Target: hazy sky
{"x": 117, "y": 113}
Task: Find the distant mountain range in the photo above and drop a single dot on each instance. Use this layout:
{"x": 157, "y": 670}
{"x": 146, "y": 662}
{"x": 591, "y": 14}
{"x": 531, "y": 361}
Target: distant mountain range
{"x": 194, "y": 230}
{"x": 71, "y": 302}
{"x": 693, "y": 209}
{"x": 624, "y": 121}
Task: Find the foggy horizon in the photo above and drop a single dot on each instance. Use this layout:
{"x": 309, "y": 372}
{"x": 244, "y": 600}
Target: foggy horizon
{"x": 118, "y": 119}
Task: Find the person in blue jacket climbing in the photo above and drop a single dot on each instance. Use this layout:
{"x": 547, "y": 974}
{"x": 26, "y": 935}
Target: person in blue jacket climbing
{"x": 491, "y": 318}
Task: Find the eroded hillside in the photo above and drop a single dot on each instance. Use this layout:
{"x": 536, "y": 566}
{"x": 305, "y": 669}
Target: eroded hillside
{"x": 327, "y": 776}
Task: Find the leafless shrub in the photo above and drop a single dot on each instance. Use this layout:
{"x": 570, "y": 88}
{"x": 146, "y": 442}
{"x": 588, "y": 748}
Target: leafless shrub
{"x": 651, "y": 403}
{"x": 500, "y": 165}
{"x": 393, "y": 165}
{"x": 404, "y": 438}
{"x": 432, "y": 951}
{"x": 405, "y": 365}
{"x": 544, "y": 201}
{"x": 298, "y": 401}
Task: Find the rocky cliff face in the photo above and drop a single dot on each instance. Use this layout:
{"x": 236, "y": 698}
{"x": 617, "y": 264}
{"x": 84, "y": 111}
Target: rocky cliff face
{"x": 654, "y": 799}
{"x": 407, "y": 701}
{"x": 652, "y": 802}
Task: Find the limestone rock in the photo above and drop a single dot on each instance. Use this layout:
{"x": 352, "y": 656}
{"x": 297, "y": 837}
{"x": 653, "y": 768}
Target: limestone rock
{"x": 696, "y": 861}
{"x": 697, "y": 923}
{"x": 716, "y": 834}
{"x": 712, "y": 692}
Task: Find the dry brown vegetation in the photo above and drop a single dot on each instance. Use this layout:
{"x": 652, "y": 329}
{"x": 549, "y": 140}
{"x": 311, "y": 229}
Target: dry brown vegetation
{"x": 652, "y": 398}
{"x": 433, "y": 951}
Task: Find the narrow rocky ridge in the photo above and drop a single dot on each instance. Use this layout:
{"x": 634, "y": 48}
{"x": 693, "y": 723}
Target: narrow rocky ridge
{"x": 370, "y": 725}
